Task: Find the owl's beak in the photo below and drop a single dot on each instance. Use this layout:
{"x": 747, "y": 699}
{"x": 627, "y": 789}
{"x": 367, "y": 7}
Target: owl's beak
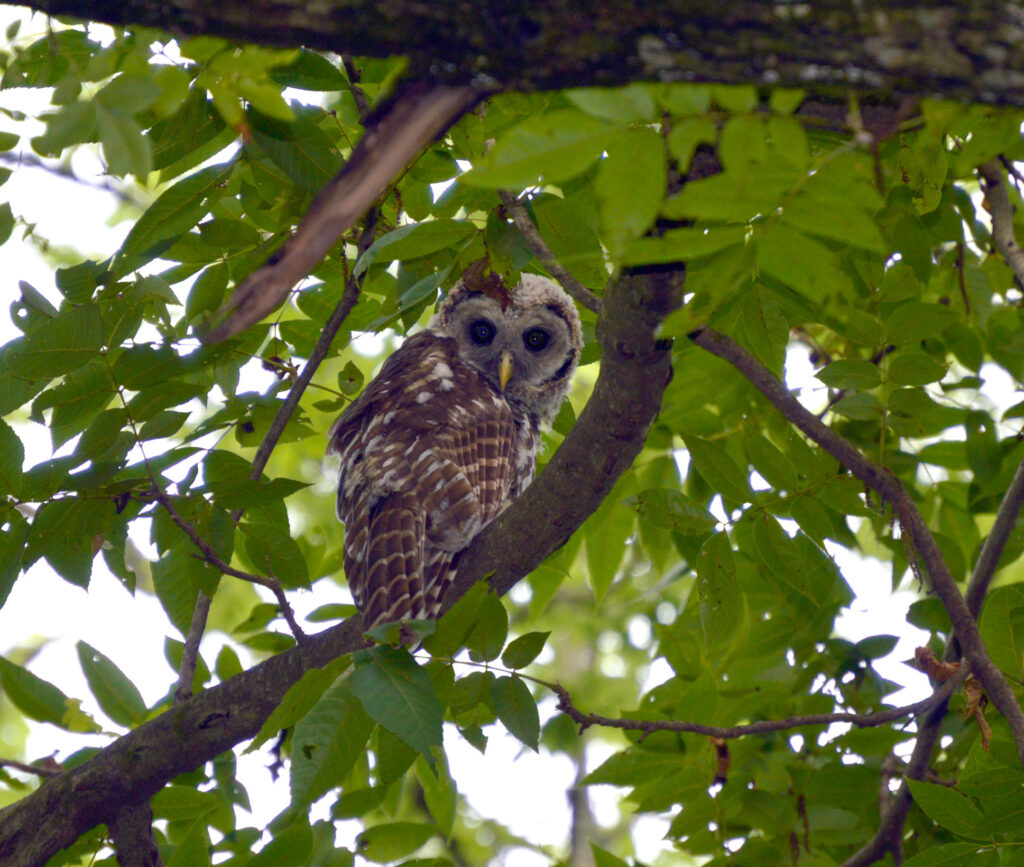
{"x": 505, "y": 368}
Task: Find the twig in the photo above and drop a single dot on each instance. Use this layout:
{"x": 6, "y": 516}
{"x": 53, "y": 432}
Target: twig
{"x": 585, "y": 720}
{"x": 993, "y": 181}
{"x": 357, "y": 92}
{"x": 911, "y": 521}
{"x": 38, "y": 770}
{"x": 215, "y": 560}
{"x": 190, "y": 653}
{"x": 517, "y": 211}
{"x": 323, "y": 344}
{"x": 992, "y": 550}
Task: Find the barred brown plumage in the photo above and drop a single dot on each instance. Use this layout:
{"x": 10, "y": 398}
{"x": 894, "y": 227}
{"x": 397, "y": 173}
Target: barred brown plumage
{"x": 446, "y": 436}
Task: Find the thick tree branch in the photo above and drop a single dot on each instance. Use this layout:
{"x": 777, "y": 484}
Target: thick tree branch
{"x": 956, "y": 49}
{"x": 610, "y": 431}
{"x": 910, "y": 519}
{"x": 132, "y": 833}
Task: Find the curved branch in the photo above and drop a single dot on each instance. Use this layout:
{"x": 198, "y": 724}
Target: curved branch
{"x": 528, "y": 229}
{"x": 993, "y": 181}
{"x": 634, "y": 372}
{"x": 911, "y": 521}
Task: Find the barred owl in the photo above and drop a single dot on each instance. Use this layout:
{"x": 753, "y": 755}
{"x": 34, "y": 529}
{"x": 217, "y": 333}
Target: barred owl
{"x": 446, "y": 436}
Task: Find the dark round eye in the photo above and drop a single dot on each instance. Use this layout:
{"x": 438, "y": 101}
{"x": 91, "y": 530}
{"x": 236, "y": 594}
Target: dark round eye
{"x": 481, "y": 332}
{"x": 536, "y": 339}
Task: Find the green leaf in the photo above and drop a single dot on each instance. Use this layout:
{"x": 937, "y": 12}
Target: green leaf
{"x": 915, "y": 368}
{"x": 517, "y": 709}
{"x": 274, "y": 552}
{"x": 299, "y": 700}
{"x": 630, "y": 185}
{"x": 1001, "y": 628}
{"x": 326, "y": 744}
{"x": 76, "y": 401}
{"x": 950, "y": 855}
{"x": 850, "y": 373}
{"x": 117, "y": 696}
{"x": 553, "y": 147}
{"x": 800, "y": 262}
{"x": 670, "y": 509}
{"x": 302, "y": 150}
{"x": 194, "y": 848}
{"x": 777, "y": 552}
{"x": 719, "y": 470}
{"x": 946, "y": 807}
{"x": 398, "y": 694}
{"x": 392, "y": 840}
{"x": 627, "y": 104}
{"x": 71, "y": 340}
{"x": 524, "y": 649}
{"x": 686, "y": 136}
{"x": 915, "y": 321}
{"x": 490, "y": 630}
{"x": 12, "y": 458}
{"x": 415, "y": 240}
{"x": 604, "y": 858}
{"x": 721, "y": 601}
{"x": 125, "y": 148}
{"x": 682, "y": 245}
{"x": 310, "y": 71}
{"x": 176, "y": 211}
{"x": 292, "y": 847}
{"x": 457, "y": 622}
{"x": 439, "y": 794}
{"x": 812, "y": 518}
{"x": 36, "y": 698}
{"x": 41, "y": 700}
{"x": 181, "y": 803}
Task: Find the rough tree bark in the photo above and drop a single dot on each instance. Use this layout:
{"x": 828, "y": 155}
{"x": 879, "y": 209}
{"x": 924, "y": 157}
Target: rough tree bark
{"x": 962, "y": 50}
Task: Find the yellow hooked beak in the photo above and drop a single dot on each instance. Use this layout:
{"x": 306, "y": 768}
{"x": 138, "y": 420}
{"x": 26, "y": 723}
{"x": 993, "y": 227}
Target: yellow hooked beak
{"x": 505, "y": 368}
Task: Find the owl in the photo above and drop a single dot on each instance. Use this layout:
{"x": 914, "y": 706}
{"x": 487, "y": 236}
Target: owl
{"x": 446, "y": 436}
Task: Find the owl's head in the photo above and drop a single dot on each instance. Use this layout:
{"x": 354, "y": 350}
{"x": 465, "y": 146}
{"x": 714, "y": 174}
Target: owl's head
{"x": 526, "y": 345}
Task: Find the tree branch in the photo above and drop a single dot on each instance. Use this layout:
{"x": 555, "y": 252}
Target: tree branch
{"x": 911, "y": 521}
{"x": 132, "y": 833}
{"x": 964, "y": 50}
{"x": 600, "y": 447}
{"x": 215, "y": 560}
{"x": 993, "y": 181}
{"x": 585, "y": 720}
{"x": 517, "y": 211}
{"x": 38, "y": 770}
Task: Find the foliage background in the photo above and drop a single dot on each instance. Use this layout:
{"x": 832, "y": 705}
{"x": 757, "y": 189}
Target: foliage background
{"x": 712, "y": 557}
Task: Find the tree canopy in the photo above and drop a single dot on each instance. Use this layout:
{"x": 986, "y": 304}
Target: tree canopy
{"x": 675, "y": 568}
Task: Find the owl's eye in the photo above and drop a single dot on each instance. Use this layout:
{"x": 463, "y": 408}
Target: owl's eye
{"x": 536, "y": 339}
{"x": 481, "y": 332}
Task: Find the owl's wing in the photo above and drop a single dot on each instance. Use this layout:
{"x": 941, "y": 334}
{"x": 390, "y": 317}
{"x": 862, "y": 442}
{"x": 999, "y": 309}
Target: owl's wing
{"x": 427, "y": 459}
